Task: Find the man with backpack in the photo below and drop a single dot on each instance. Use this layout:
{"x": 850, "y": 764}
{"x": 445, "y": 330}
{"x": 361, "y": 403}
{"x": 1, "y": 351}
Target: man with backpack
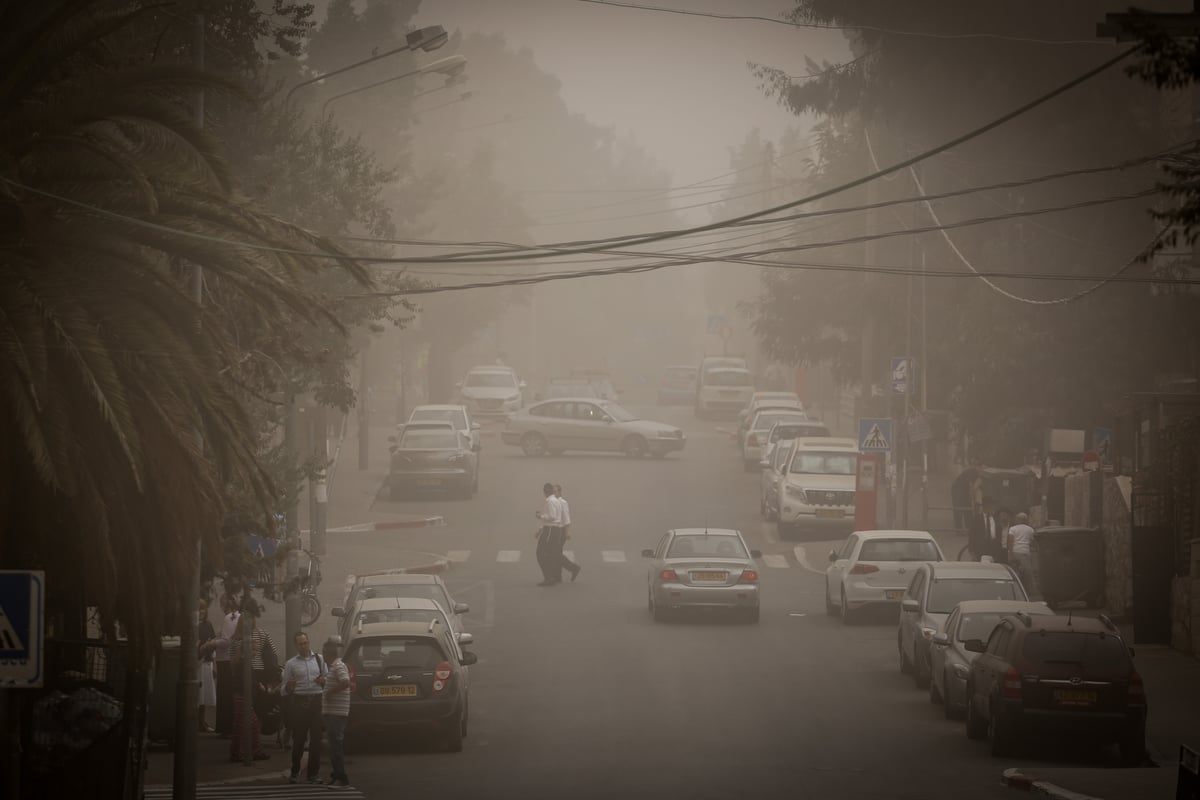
{"x": 302, "y": 688}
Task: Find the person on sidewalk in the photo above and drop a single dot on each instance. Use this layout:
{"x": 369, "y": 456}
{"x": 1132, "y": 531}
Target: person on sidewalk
{"x": 229, "y": 622}
{"x": 335, "y": 706}
{"x": 565, "y": 510}
{"x": 206, "y": 643}
{"x": 549, "y": 558}
{"x": 1020, "y": 551}
{"x": 981, "y": 536}
{"x": 244, "y": 696}
{"x": 302, "y": 687}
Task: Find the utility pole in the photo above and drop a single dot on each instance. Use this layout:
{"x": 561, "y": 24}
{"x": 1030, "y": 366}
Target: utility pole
{"x": 364, "y": 411}
{"x": 187, "y": 696}
{"x": 866, "y": 404}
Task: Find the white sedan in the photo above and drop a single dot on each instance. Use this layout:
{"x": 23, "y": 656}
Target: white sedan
{"x": 874, "y": 568}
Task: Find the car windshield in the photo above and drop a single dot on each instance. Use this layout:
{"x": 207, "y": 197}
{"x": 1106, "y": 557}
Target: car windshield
{"x": 808, "y": 462}
{"x": 616, "y": 412}
{"x": 394, "y": 652}
{"x": 764, "y": 421}
{"x": 727, "y": 377}
{"x": 492, "y": 380}
{"x": 946, "y": 593}
{"x": 899, "y": 550}
{"x": 790, "y": 431}
{"x": 977, "y": 626}
{"x": 1097, "y": 651}
{"x": 454, "y": 416}
{"x": 430, "y": 439}
{"x": 425, "y": 591}
{"x": 710, "y": 546}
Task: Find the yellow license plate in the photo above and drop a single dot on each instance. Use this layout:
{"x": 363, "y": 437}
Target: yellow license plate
{"x": 830, "y": 513}
{"x": 404, "y": 690}
{"x": 1074, "y": 697}
{"x": 710, "y": 576}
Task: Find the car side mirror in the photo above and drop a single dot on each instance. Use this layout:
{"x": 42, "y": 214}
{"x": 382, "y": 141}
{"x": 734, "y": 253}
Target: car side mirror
{"x": 910, "y": 606}
{"x": 468, "y": 659}
{"x": 941, "y": 639}
{"x": 756, "y": 553}
{"x": 338, "y": 611}
{"x": 833, "y": 555}
{"x": 461, "y": 608}
{"x": 465, "y": 638}
{"x": 974, "y": 646}
{"x": 647, "y": 553}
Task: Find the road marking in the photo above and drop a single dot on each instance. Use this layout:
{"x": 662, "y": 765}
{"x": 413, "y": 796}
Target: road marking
{"x": 458, "y": 556}
{"x": 614, "y": 556}
{"x": 793, "y": 614}
{"x": 509, "y": 556}
{"x": 802, "y": 559}
{"x": 775, "y": 560}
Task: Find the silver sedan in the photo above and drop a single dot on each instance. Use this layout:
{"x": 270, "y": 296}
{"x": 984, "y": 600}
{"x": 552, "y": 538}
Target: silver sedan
{"x": 588, "y": 423}
{"x": 702, "y": 568}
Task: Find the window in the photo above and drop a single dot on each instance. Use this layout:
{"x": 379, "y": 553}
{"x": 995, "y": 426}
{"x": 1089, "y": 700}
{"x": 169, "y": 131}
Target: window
{"x": 899, "y": 550}
{"x": 616, "y": 412}
{"x": 1098, "y": 653}
{"x": 791, "y": 430}
{"x": 707, "y": 546}
{"x": 978, "y": 626}
{"x": 395, "y": 615}
{"x": 454, "y": 416}
{"x": 764, "y": 420}
{"x": 662, "y": 545}
{"x": 809, "y": 462}
{"x": 492, "y": 380}
{"x": 394, "y": 652}
{"x": 917, "y": 584}
{"x": 727, "y": 377}
{"x": 553, "y": 410}
{"x": 946, "y": 593}
{"x": 781, "y": 457}
{"x": 430, "y": 440}
{"x": 424, "y": 591}
{"x": 848, "y": 547}
{"x": 587, "y": 412}
{"x": 998, "y": 643}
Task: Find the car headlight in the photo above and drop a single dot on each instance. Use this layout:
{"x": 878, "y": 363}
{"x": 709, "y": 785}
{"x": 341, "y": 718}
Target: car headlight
{"x": 794, "y": 491}
{"x": 927, "y": 633}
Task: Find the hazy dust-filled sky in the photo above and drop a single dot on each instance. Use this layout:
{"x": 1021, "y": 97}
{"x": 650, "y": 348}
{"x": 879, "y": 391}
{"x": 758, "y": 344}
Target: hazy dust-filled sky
{"x": 679, "y": 84}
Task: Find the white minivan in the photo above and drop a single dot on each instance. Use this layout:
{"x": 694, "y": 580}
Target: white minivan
{"x": 723, "y": 391}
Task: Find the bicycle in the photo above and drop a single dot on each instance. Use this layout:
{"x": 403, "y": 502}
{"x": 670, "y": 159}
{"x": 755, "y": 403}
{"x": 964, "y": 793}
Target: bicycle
{"x": 310, "y": 579}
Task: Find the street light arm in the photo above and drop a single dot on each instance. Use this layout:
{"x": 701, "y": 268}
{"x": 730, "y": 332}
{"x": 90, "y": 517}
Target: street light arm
{"x": 426, "y": 39}
{"x": 325, "y": 105}
{"x": 451, "y": 65}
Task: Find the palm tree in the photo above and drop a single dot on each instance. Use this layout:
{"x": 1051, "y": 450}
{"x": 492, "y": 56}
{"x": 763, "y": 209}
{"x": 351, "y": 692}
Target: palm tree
{"x": 121, "y": 431}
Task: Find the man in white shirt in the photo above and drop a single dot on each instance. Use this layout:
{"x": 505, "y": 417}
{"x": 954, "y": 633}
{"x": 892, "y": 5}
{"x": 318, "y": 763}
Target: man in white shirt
{"x": 548, "y": 536}
{"x": 303, "y": 686}
{"x": 565, "y": 515}
{"x": 1020, "y": 550}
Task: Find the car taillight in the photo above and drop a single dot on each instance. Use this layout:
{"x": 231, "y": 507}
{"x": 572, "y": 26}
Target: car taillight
{"x": 441, "y": 674}
{"x": 1012, "y": 684}
{"x": 668, "y": 575}
{"x": 748, "y": 576}
{"x": 1137, "y": 690}
{"x": 863, "y": 569}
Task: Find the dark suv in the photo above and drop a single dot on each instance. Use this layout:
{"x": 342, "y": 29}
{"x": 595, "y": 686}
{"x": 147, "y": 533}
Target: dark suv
{"x": 1060, "y": 674}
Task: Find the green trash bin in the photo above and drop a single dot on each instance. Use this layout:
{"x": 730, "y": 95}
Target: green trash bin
{"x": 1070, "y": 565}
{"x": 160, "y": 723}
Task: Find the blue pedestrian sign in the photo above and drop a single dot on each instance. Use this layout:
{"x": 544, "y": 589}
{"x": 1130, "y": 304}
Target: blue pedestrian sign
{"x": 875, "y": 434}
{"x": 22, "y": 604}
{"x": 901, "y": 374}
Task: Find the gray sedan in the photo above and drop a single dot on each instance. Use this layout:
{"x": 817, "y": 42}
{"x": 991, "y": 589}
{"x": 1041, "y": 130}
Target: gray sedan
{"x": 702, "y": 568}
{"x": 950, "y": 661}
{"x": 588, "y": 423}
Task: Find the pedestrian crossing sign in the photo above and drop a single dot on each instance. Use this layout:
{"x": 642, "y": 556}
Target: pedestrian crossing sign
{"x": 875, "y": 435}
{"x": 22, "y": 600}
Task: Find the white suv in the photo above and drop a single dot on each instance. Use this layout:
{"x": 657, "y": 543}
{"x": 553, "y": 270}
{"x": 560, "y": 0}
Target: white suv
{"x": 491, "y": 391}
{"x": 817, "y": 490}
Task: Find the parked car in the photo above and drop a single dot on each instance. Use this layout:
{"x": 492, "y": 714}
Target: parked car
{"x": 705, "y": 568}
{"x": 584, "y": 423}
{"x": 789, "y": 400}
{"x": 949, "y": 659}
{"x": 792, "y": 428}
{"x": 873, "y": 568}
{"x": 723, "y": 391}
{"x": 817, "y": 493}
{"x": 757, "y": 432}
{"x": 405, "y": 675}
{"x": 774, "y": 468}
{"x": 1069, "y": 675}
{"x": 677, "y": 386}
{"x": 491, "y": 391}
{"x": 933, "y": 593}
{"x": 397, "y": 584}
{"x": 457, "y": 415}
{"x": 709, "y": 363}
{"x": 372, "y": 610}
{"x": 433, "y": 460}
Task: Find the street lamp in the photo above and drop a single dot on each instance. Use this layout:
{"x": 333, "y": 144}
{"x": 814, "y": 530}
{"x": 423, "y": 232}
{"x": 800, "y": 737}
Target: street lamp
{"x": 451, "y": 66}
{"x": 426, "y": 39}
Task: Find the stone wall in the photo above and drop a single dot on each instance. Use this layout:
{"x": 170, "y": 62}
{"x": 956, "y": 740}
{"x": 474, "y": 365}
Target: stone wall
{"x": 1118, "y": 546}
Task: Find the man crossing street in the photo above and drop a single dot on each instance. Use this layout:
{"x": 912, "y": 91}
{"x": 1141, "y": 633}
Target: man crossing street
{"x": 565, "y": 512}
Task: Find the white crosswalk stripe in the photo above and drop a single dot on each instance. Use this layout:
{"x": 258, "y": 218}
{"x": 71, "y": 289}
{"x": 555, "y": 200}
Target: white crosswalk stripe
{"x": 776, "y": 561}
{"x": 458, "y": 556}
{"x": 614, "y": 556}
{"x": 509, "y": 556}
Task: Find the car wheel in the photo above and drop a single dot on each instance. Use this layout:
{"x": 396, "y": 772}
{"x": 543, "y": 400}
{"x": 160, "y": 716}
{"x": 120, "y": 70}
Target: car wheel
{"x": 976, "y": 727}
{"x": 634, "y": 446}
{"x": 847, "y": 614}
{"x": 935, "y": 696}
{"x": 453, "y": 742}
{"x": 830, "y": 608}
{"x": 920, "y": 669}
{"x": 999, "y": 734}
{"x": 534, "y": 444}
{"x": 906, "y": 666}
{"x": 1133, "y": 745}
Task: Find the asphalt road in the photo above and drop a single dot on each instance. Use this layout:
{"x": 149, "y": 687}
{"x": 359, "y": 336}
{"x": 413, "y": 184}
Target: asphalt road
{"x": 579, "y": 694}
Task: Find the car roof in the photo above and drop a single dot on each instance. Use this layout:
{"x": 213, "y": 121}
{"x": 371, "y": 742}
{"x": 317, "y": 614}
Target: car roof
{"x": 728, "y": 369}
{"x": 427, "y": 423}
{"x": 826, "y": 443}
{"x": 970, "y": 569}
{"x": 705, "y": 531}
{"x": 440, "y": 407}
{"x": 496, "y": 368}
{"x": 571, "y": 399}
{"x": 393, "y": 578}
{"x": 397, "y": 603}
{"x": 1006, "y": 607}
{"x": 1074, "y": 623}
{"x": 893, "y": 534}
{"x": 410, "y": 629}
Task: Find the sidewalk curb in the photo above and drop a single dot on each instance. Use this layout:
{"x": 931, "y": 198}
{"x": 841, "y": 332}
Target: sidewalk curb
{"x": 1013, "y": 778}
{"x": 246, "y": 779}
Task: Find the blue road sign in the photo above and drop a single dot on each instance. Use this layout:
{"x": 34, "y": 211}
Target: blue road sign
{"x": 875, "y": 434}
{"x": 22, "y": 605}
{"x": 901, "y": 374}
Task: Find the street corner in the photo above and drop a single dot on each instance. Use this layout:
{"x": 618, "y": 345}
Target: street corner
{"x": 1015, "y": 778}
